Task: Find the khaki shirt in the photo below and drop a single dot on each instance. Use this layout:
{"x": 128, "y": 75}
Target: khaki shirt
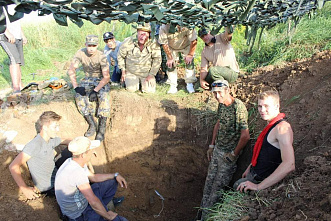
{"x": 92, "y": 65}
{"x": 178, "y": 40}
{"x": 140, "y": 63}
{"x": 221, "y": 53}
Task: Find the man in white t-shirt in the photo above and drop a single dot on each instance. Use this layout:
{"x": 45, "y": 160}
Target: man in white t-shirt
{"x": 78, "y": 199}
{"x": 12, "y": 41}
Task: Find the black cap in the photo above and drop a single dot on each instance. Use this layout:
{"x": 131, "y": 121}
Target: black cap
{"x": 203, "y": 31}
{"x": 108, "y": 35}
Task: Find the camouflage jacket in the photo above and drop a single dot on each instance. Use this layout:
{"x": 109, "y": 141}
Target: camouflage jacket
{"x": 140, "y": 63}
{"x": 232, "y": 119}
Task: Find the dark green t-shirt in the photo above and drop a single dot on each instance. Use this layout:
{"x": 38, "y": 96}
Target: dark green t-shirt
{"x": 232, "y": 119}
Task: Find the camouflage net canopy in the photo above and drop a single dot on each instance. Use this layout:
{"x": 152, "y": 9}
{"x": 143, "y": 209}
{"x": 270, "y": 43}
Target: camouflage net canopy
{"x": 214, "y": 14}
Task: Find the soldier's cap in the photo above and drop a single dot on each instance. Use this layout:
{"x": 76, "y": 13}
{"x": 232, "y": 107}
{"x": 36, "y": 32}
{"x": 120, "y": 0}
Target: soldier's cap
{"x": 92, "y": 40}
{"x": 144, "y": 27}
{"x": 202, "y": 32}
{"x": 219, "y": 85}
{"x": 82, "y": 144}
{"x": 108, "y": 35}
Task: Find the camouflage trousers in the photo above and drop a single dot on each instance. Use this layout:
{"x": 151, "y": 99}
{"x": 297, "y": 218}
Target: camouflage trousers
{"x": 85, "y": 107}
{"x": 219, "y": 175}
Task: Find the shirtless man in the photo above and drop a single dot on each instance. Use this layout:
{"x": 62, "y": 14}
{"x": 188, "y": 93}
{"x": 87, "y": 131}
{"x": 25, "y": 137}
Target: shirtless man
{"x": 273, "y": 154}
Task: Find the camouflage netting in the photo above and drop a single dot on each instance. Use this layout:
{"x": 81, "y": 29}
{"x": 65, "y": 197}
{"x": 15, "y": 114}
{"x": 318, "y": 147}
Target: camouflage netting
{"x": 194, "y": 13}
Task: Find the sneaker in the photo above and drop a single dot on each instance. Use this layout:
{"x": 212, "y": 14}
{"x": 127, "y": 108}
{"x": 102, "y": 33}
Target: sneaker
{"x": 190, "y": 88}
{"x": 172, "y": 90}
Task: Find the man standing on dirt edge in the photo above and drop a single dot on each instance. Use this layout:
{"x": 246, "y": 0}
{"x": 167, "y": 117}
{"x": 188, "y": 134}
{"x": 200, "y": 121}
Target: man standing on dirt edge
{"x": 139, "y": 58}
{"x": 273, "y": 154}
{"x": 219, "y": 52}
{"x": 78, "y": 199}
{"x": 12, "y": 42}
{"x": 39, "y": 155}
{"x": 230, "y": 136}
{"x": 93, "y": 88}
{"x": 174, "y": 42}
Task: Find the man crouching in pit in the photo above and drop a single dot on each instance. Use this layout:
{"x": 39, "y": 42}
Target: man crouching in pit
{"x": 230, "y": 136}
{"x": 273, "y": 154}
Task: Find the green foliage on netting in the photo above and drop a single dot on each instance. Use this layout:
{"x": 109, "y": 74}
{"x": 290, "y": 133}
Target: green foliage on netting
{"x": 253, "y": 14}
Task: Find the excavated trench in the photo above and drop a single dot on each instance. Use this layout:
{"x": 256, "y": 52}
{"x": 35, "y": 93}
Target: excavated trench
{"x": 156, "y": 145}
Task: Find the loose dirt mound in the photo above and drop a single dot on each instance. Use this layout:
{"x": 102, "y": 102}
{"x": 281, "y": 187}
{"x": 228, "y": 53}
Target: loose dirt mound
{"x": 159, "y": 145}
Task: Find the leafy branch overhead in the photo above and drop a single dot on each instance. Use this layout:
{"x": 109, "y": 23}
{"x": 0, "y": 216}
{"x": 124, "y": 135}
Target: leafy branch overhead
{"x": 195, "y": 13}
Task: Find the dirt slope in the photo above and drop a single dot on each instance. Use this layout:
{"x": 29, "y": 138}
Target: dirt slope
{"x": 159, "y": 145}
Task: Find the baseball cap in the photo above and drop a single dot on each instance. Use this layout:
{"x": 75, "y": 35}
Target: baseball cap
{"x": 219, "y": 84}
{"x": 144, "y": 27}
{"x": 202, "y": 31}
{"x": 92, "y": 40}
{"x": 108, "y": 35}
{"x": 82, "y": 144}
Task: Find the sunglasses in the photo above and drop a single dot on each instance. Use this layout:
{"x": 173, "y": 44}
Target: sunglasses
{"x": 218, "y": 84}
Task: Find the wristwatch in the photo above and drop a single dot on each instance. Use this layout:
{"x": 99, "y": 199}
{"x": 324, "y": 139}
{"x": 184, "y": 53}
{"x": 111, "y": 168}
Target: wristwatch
{"x": 115, "y": 175}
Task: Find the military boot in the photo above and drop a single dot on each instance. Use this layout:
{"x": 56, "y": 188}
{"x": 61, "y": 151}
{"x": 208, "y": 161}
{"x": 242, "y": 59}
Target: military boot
{"x": 101, "y": 129}
{"x": 92, "y": 126}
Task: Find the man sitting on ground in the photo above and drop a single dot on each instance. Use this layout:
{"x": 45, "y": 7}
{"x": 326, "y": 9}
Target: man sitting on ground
{"x": 273, "y": 154}
{"x": 93, "y": 87}
{"x": 78, "y": 199}
{"x": 39, "y": 155}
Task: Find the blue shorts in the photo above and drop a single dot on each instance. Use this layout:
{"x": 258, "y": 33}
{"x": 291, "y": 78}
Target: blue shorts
{"x": 14, "y": 51}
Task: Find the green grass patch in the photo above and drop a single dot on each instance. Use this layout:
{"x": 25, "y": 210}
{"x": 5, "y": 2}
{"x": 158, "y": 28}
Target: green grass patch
{"x": 231, "y": 208}
{"x": 51, "y": 46}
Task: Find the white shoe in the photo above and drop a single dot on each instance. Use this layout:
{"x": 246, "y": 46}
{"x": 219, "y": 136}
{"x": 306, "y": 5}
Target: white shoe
{"x": 190, "y": 88}
{"x": 172, "y": 90}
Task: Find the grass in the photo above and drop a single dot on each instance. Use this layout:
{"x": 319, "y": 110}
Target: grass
{"x": 231, "y": 208}
{"x": 51, "y": 46}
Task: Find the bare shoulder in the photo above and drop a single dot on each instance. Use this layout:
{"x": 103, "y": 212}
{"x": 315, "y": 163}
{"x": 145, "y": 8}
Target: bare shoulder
{"x": 284, "y": 128}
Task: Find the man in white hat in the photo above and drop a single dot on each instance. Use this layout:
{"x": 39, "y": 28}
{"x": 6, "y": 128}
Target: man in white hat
{"x": 78, "y": 199}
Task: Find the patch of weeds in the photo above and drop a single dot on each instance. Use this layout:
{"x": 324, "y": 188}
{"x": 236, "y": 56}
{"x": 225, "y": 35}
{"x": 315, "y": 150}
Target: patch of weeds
{"x": 231, "y": 208}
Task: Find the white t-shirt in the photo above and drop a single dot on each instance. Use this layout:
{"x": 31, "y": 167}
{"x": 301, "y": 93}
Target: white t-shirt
{"x": 13, "y": 27}
{"x": 71, "y": 175}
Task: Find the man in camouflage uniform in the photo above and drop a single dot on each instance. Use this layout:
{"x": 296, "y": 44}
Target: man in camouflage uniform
{"x": 218, "y": 52}
{"x": 139, "y": 58}
{"x": 180, "y": 41}
{"x": 94, "y": 87}
{"x": 230, "y": 135}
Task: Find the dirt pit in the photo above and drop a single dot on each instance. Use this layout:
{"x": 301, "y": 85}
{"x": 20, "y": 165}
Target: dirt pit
{"x": 161, "y": 145}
